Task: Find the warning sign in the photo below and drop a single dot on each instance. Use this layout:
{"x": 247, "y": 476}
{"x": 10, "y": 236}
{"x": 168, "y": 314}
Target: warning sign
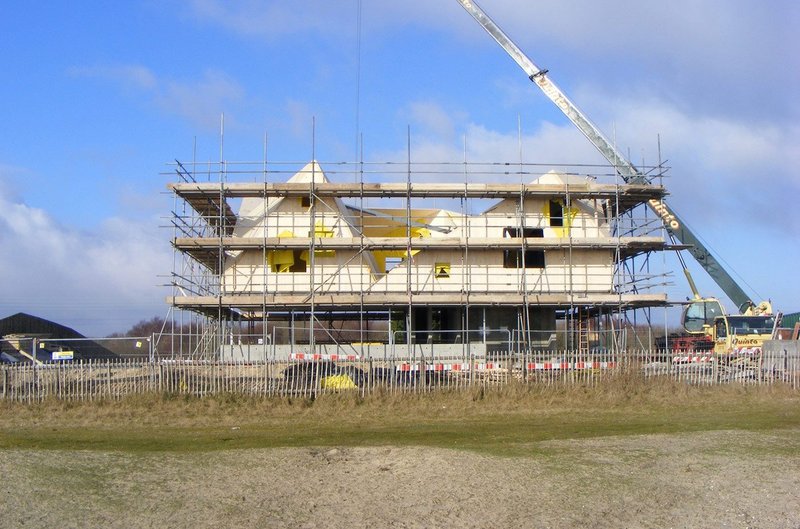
{"x": 442, "y": 270}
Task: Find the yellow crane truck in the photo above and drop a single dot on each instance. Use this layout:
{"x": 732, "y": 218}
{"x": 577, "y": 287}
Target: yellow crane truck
{"x": 741, "y": 335}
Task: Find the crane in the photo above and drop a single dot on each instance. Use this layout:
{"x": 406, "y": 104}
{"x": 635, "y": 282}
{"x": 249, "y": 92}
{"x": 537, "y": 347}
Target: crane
{"x": 674, "y": 225}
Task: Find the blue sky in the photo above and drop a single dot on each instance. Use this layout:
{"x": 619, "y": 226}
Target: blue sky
{"x": 98, "y": 96}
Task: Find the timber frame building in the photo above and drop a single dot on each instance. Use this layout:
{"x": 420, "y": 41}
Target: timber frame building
{"x": 410, "y": 262}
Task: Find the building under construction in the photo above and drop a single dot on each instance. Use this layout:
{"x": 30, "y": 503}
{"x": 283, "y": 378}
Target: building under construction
{"x": 363, "y": 259}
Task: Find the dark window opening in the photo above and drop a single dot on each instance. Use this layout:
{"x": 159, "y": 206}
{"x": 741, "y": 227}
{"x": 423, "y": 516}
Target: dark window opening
{"x": 518, "y": 258}
{"x": 299, "y": 264}
{"x": 282, "y": 262}
{"x": 556, "y": 214}
{"x": 722, "y": 329}
{"x": 305, "y": 202}
{"x": 528, "y": 233}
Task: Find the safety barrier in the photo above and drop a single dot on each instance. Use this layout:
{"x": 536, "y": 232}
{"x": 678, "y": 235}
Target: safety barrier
{"x": 310, "y": 375}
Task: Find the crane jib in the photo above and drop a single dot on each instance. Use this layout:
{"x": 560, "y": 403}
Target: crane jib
{"x": 629, "y": 173}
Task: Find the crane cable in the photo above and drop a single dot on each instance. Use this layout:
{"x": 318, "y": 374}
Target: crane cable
{"x": 358, "y": 79}
{"x": 713, "y": 252}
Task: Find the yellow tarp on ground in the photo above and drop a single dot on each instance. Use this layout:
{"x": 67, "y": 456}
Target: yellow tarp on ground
{"x": 337, "y": 382}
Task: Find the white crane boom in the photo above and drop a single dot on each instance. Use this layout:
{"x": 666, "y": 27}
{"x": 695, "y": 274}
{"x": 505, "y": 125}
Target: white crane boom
{"x": 552, "y": 91}
{"x": 629, "y": 173}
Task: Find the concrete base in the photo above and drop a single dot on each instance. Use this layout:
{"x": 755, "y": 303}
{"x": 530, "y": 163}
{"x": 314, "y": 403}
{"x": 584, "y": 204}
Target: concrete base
{"x": 377, "y": 351}
{"x": 781, "y": 355}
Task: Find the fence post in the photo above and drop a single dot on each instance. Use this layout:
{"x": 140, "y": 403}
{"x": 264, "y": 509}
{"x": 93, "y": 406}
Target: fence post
{"x": 36, "y": 388}
{"x": 370, "y": 374}
{"x": 108, "y": 378}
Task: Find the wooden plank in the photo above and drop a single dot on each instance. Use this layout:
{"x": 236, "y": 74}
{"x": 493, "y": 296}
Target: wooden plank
{"x": 198, "y": 193}
{"x": 343, "y": 301}
{"x": 386, "y": 243}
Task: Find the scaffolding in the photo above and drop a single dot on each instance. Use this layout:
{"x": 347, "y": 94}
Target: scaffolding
{"x": 359, "y": 257}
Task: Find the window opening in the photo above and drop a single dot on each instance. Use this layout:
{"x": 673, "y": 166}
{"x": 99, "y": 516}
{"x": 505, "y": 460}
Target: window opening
{"x": 391, "y": 262}
{"x": 514, "y": 258}
{"x": 722, "y": 329}
{"x": 556, "y": 214}
{"x": 286, "y": 261}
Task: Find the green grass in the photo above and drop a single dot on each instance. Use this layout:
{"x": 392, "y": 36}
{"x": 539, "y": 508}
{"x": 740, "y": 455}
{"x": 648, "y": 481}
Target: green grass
{"x": 509, "y": 422}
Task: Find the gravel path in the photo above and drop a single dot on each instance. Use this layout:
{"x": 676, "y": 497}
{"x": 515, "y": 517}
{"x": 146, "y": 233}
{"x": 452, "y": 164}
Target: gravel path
{"x": 720, "y": 479}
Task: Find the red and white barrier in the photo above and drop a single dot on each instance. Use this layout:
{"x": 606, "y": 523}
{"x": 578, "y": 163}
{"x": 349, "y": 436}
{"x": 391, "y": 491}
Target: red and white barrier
{"x": 317, "y": 357}
{"x": 692, "y": 359}
{"x": 441, "y": 367}
{"x": 556, "y": 366}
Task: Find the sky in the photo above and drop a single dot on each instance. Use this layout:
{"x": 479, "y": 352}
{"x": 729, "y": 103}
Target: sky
{"x": 98, "y": 97}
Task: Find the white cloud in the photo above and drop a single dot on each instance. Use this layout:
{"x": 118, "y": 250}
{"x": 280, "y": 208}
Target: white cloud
{"x": 440, "y": 136}
{"x": 713, "y": 56}
{"x": 724, "y": 170}
{"x": 432, "y": 118}
{"x": 203, "y": 100}
{"x": 687, "y": 28}
{"x": 9, "y": 174}
{"x": 299, "y": 119}
{"x": 200, "y": 101}
{"x": 271, "y": 19}
{"x": 125, "y": 75}
{"x": 723, "y": 173}
{"x": 96, "y": 282}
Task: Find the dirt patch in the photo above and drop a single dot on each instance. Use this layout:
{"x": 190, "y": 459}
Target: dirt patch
{"x": 719, "y": 479}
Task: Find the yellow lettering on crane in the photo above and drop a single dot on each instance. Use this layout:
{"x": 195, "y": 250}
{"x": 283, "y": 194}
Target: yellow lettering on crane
{"x": 662, "y": 211}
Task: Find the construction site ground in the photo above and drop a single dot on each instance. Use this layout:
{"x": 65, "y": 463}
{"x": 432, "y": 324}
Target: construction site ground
{"x": 625, "y": 457}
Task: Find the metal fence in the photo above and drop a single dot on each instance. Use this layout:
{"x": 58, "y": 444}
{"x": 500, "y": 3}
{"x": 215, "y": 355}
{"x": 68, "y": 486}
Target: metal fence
{"x": 42, "y": 350}
{"x": 308, "y": 375}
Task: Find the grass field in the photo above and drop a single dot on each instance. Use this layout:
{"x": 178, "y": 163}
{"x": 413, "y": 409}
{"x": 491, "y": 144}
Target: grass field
{"x": 496, "y": 422}
{"x": 625, "y": 454}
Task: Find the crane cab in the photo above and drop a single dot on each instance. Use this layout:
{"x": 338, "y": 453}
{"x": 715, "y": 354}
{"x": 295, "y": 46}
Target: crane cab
{"x": 742, "y": 335}
{"x": 699, "y": 315}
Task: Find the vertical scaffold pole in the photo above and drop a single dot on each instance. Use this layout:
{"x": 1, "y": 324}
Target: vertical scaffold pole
{"x": 409, "y": 318}
{"x": 312, "y": 232}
